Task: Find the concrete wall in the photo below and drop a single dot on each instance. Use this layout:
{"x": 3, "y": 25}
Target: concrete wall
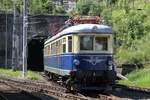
{"x": 39, "y": 26}
{"x": 5, "y": 36}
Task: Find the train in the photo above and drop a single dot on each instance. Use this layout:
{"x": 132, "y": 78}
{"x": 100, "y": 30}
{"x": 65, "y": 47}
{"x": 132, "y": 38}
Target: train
{"x": 81, "y": 56}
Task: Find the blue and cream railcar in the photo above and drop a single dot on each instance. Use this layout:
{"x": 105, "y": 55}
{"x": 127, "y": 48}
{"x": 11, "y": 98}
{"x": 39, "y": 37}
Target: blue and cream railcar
{"x": 83, "y": 54}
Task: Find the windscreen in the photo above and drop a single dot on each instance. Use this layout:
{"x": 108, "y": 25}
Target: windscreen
{"x": 86, "y": 43}
{"x": 93, "y": 43}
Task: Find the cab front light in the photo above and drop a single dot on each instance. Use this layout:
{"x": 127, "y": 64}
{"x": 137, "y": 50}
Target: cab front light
{"x": 76, "y": 62}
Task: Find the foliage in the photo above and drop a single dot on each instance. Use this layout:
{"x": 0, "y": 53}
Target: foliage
{"x": 139, "y": 78}
{"x": 138, "y": 52}
{"x": 6, "y": 5}
{"x": 30, "y": 75}
{"x": 8, "y": 72}
{"x": 41, "y": 6}
{"x": 127, "y": 27}
{"x": 33, "y": 76}
{"x": 83, "y": 6}
{"x": 95, "y": 9}
{"x": 59, "y": 10}
{"x": 34, "y": 6}
{"x": 88, "y": 7}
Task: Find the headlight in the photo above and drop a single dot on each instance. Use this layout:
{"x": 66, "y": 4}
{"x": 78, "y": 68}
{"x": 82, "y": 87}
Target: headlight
{"x": 110, "y": 67}
{"x": 76, "y": 62}
{"x": 110, "y": 63}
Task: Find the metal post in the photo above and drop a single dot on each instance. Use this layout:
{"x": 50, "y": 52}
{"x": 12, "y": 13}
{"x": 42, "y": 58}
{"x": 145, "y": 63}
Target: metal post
{"x": 6, "y": 64}
{"x": 25, "y": 19}
{"x": 13, "y": 35}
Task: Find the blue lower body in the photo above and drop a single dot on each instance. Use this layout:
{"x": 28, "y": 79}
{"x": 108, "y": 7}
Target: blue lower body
{"x": 91, "y": 70}
{"x": 87, "y": 61}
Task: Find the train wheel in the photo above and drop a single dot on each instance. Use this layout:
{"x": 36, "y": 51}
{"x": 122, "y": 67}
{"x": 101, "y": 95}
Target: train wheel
{"x": 70, "y": 85}
{"x": 51, "y": 76}
{"x": 108, "y": 88}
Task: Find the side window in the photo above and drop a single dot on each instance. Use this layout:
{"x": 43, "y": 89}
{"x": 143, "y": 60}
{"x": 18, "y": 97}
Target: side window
{"x": 53, "y": 48}
{"x": 69, "y": 43}
{"x": 101, "y": 44}
{"x": 57, "y": 48}
{"x": 48, "y": 49}
{"x": 64, "y": 45}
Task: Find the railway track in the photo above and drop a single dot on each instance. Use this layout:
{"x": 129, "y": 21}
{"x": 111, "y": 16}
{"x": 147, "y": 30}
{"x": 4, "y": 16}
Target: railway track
{"x": 130, "y": 93}
{"x": 58, "y": 92}
{"x": 11, "y": 93}
{"x": 48, "y": 89}
{"x": 133, "y": 88}
{"x": 137, "y": 92}
{"x": 18, "y": 96}
{"x": 2, "y": 97}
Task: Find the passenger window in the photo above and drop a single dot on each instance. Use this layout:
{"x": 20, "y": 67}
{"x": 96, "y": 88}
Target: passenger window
{"x": 53, "y": 48}
{"x": 48, "y": 49}
{"x": 57, "y": 48}
{"x": 64, "y": 48}
{"x": 101, "y": 44}
{"x": 69, "y": 43}
{"x": 86, "y": 43}
{"x": 64, "y": 45}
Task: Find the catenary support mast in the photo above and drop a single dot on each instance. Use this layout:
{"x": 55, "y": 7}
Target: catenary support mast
{"x": 25, "y": 25}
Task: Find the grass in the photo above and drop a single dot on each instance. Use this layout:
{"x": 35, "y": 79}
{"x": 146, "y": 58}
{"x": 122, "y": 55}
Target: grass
{"x": 139, "y": 78}
{"x": 18, "y": 74}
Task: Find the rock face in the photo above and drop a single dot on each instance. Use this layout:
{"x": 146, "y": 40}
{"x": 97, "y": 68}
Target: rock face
{"x": 6, "y": 22}
{"x": 39, "y": 26}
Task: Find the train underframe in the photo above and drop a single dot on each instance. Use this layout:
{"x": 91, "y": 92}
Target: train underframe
{"x": 85, "y": 80}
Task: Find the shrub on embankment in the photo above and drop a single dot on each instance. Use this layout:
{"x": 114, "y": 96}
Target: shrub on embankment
{"x": 132, "y": 35}
{"x": 139, "y": 53}
{"x": 138, "y": 78}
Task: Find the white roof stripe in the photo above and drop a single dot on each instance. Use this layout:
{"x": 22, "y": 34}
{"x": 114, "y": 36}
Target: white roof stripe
{"x": 83, "y": 28}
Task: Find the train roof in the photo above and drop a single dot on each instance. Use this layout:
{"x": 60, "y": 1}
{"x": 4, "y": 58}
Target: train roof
{"x": 83, "y": 28}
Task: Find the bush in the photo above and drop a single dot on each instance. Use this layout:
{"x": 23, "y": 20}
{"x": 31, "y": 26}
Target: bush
{"x": 59, "y": 10}
{"x": 138, "y": 78}
{"x": 137, "y": 53}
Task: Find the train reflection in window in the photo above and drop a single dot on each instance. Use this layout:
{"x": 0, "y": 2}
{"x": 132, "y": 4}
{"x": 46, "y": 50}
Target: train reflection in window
{"x": 101, "y": 44}
{"x": 86, "y": 43}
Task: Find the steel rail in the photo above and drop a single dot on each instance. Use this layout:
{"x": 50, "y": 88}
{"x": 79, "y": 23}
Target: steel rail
{"x": 2, "y": 97}
{"x": 133, "y": 88}
{"x": 48, "y": 90}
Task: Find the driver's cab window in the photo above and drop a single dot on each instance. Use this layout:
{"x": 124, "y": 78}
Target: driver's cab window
{"x": 86, "y": 42}
{"x": 101, "y": 44}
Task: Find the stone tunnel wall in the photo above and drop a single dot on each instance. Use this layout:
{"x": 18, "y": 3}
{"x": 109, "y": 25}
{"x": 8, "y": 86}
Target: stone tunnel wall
{"x": 39, "y": 26}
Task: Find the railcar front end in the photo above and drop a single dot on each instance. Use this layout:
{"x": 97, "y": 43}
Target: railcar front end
{"x": 93, "y": 61}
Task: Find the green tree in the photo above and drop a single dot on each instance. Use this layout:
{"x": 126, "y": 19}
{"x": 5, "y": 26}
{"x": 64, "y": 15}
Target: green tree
{"x": 59, "y": 10}
{"x": 41, "y": 7}
{"x": 83, "y": 6}
{"x": 95, "y": 9}
{"x": 6, "y": 5}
